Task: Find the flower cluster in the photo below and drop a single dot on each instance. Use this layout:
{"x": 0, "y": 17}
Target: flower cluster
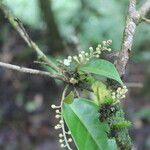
{"x": 120, "y": 93}
{"x": 83, "y": 56}
{"x": 64, "y": 142}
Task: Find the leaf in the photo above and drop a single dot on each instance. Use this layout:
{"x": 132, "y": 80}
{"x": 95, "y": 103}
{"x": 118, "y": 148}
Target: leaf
{"x": 69, "y": 98}
{"x": 101, "y": 92}
{"x": 87, "y": 131}
{"x": 102, "y": 67}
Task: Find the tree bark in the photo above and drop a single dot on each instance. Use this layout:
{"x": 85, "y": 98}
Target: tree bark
{"x": 134, "y": 17}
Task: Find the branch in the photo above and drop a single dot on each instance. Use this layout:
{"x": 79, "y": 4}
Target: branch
{"x": 145, "y": 8}
{"x": 133, "y": 19}
{"x": 54, "y": 36}
{"x": 16, "y": 23}
{"x": 134, "y": 85}
{"x": 146, "y": 20}
{"x": 30, "y": 71}
{"x": 127, "y": 39}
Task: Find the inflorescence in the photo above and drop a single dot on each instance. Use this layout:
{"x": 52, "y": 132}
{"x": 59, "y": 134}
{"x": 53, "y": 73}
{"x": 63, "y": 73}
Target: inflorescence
{"x": 63, "y": 140}
{"x": 119, "y": 94}
{"x": 83, "y": 56}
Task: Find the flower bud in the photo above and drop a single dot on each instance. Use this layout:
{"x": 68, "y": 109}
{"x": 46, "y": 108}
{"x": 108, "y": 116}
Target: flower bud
{"x": 62, "y": 145}
{"x": 70, "y": 140}
{"x": 60, "y": 140}
{"x": 91, "y": 49}
{"x": 60, "y": 135}
{"x": 53, "y": 106}
{"x": 57, "y": 116}
{"x": 57, "y": 111}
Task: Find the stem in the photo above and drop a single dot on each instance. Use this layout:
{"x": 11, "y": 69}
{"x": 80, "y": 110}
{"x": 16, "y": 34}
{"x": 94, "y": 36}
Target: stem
{"x": 16, "y": 23}
{"x": 134, "y": 17}
{"x": 63, "y": 127}
{"x": 77, "y": 93}
{"x": 30, "y": 71}
{"x": 146, "y": 20}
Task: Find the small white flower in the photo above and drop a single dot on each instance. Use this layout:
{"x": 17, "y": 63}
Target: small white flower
{"x": 57, "y": 111}
{"x": 119, "y": 89}
{"x": 113, "y": 93}
{"x": 69, "y": 57}
{"x": 82, "y": 52}
{"x": 109, "y": 49}
{"x": 57, "y": 127}
{"x": 125, "y": 90}
{"x": 57, "y": 116}
{"x": 62, "y": 145}
{"x": 73, "y": 81}
{"x": 60, "y": 135}
{"x": 97, "y": 49}
{"x": 104, "y": 42}
{"x": 124, "y": 87}
{"x": 60, "y": 140}
{"x": 86, "y": 54}
{"x": 66, "y": 62}
{"x": 80, "y": 56}
{"x": 99, "y": 45}
{"x": 76, "y": 58}
{"x": 70, "y": 140}
{"x": 113, "y": 97}
{"x": 53, "y": 106}
{"x": 60, "y": 121}
{"x": 118, "y": 96}
{"x": 99, "y": 52}
{"x": 97, "y": 56}
{"x": 91, "y": 49}
{"x": 123, "y": 96}
{"x": 109, "y": 41}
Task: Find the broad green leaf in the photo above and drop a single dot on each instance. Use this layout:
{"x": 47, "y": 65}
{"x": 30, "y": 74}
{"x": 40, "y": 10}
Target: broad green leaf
{"x": 101, "y": 92}
{"x": 69, "y": 98}
{"x": 87, "y": 131}
{"x": 103, "y": 68}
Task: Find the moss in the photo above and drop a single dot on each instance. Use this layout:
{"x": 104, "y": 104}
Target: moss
{"x": 118, "y": 125}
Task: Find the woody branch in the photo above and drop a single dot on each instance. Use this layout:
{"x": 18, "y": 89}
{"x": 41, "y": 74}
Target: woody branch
{"x": 134, "y": 17}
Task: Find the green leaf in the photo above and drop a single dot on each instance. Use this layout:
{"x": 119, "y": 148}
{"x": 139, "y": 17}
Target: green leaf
{"x": 103, "y": 68}
{"x": 69, "y": 98}
{"x": 87, "y": 131}
{"x": 101, "y": 92}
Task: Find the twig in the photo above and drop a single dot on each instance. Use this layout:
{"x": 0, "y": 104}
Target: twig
{"x": 42, "y": 63}
{"x": 134, "y": 85}
{"x": 145, "y": 8}
{"x": 62, "y": 118}
{"x": 77, "y": 93}
{"x": 30, "y": 71}
{"x": 16, "y": 23}
{"x": 146, "y": 20}
{"x": 133, "y": 19}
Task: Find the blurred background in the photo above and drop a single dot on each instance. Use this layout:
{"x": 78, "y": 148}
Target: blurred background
{"x": 60, "y": 28}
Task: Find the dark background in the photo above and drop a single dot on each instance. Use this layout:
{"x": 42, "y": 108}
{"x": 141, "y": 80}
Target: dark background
{"x": 61, "y": 28}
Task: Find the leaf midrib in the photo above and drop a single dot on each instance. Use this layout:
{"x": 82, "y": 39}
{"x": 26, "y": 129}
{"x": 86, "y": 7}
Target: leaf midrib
{"x": 86, "y": 128}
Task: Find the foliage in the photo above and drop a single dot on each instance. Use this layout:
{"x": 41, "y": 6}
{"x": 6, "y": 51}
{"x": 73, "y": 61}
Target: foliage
{"x": 82, "y": 119}
{"x": 75, "y": 19}
{"x": 102, "y": 67}
{"x": 100, "y": 123}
